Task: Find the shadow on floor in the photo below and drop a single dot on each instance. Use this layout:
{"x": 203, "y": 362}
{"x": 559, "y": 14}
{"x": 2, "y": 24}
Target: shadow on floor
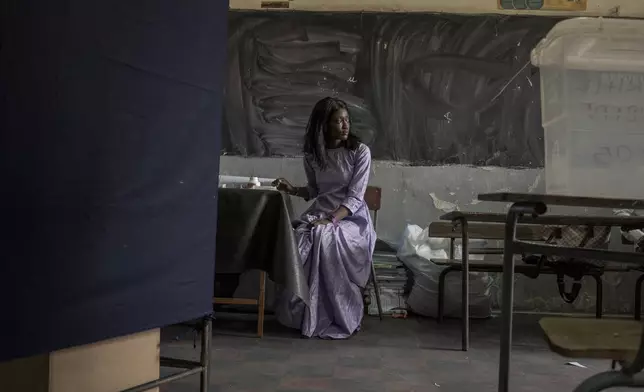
{"x": 409, "y": 355}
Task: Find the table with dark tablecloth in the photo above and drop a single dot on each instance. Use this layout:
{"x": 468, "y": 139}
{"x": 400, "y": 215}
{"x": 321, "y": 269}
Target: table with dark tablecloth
{"x": 254, "y": 232}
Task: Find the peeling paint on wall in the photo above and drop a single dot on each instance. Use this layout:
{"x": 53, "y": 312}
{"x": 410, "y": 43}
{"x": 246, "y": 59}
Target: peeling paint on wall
{"x": 443, "y": 205}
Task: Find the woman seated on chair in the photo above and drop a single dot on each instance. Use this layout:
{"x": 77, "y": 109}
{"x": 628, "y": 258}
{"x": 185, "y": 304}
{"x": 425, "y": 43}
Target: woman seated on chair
{"x": 335, "y": 235}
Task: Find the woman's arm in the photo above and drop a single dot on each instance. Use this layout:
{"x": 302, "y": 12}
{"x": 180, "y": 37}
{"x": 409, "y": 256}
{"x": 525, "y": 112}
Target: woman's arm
{"x": 303, "y": 192}
{"x": 357, "y": 185}
{"x": 300, "y": 191}
{"x": 307, "y": 192}
{"x": 310, "y": 191}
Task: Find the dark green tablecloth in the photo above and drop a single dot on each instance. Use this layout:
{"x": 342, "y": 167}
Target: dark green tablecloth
{"x": 254, "y": 232}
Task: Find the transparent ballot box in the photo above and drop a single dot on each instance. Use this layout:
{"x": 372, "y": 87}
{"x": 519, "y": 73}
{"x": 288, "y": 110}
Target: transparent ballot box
{"x": 592, "y": 101}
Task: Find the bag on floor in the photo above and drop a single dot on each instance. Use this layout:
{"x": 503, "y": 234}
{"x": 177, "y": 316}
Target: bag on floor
{"x": 416, "y": 253}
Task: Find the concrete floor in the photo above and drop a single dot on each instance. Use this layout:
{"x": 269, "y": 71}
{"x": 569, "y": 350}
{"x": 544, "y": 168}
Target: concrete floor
{"x": 390, "y": 356}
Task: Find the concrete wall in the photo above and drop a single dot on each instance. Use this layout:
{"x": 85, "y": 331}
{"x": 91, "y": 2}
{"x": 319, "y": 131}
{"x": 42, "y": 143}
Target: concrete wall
{"x": 420, "y": 194}
{"x": 410, "y": 194}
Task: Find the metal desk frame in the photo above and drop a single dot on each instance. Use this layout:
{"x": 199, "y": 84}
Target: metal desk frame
{"x": 459, "y": 218}
{"x": 534, "y": 205}
{"x": 190, "y": 367}
{"x": 638, "y": 297}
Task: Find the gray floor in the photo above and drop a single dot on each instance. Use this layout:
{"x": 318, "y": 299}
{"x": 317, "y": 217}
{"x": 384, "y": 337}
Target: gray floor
{"x": 392, "y": 356}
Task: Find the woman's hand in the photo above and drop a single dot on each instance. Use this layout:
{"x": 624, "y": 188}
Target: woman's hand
{"x": 283, "y": 185}
{"x": 321, "y": 222}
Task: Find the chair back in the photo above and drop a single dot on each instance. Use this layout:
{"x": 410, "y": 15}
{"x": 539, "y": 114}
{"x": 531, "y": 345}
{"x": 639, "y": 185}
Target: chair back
{"x": 372, "y": 197}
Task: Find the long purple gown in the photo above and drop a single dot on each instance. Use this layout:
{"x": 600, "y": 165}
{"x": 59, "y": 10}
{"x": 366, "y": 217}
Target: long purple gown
{"x": 336, "y": 259}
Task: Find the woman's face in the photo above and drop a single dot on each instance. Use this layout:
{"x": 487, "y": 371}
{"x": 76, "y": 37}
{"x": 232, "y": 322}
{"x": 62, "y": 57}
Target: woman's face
{"x": 339, "y": 125}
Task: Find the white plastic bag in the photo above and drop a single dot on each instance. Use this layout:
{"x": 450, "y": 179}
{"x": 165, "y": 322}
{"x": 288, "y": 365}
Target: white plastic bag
{"x": 416, "y": 242}
{"x": 416, "y": 252}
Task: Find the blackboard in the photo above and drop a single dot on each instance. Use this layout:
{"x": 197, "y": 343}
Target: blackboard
{"x": 424, "y": 89}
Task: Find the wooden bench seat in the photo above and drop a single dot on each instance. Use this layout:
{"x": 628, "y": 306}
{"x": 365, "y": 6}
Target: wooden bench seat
{"x": 576, "y": 337}
{"x": 474, "y": 264}
{"x": 484, "y": 231}
{"x": 492, "y": 265}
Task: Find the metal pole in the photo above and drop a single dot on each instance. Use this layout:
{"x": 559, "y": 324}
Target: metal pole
{"x": 599, "y": 298}
{"x": 638, "y": 297}
{"x": 205, "y": 354}
{"x": 451, "y": 248}
{"x": 465, "y": 287}
{"x": 507, "y": 301}
{"x": 515, "y": 211}
{"x": 162, "y": 381}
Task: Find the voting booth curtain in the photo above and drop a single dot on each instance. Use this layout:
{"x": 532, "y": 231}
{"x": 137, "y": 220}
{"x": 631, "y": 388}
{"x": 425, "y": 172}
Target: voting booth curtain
{"x": 110, "y": 116}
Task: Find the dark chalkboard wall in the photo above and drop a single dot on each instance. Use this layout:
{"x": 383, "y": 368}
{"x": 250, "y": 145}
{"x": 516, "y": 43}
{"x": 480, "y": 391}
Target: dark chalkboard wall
{"x": 424, "y": 89}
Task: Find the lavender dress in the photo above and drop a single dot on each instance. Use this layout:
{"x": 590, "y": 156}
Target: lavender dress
{"x": 336, "y": 259}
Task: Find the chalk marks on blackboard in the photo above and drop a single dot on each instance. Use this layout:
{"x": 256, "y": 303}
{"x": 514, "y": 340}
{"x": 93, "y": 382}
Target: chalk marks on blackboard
{"x": 424, "y": 89}
{"x": 278, "y": 69}
{"x": 448, "y": 99}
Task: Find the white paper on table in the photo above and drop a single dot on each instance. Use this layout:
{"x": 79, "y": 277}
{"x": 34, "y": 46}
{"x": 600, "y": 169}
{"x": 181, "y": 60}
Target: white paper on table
{"x": 226, "y": 179}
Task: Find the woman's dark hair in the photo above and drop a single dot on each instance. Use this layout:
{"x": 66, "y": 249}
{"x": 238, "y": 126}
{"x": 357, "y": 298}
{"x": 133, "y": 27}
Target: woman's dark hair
{"x": 317, "y": 130}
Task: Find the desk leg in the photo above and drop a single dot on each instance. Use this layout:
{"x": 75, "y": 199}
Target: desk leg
{"x": 638, "y": 297}
{"x": 465, "y": 287}
{"x": 261, "y": 304}
{"x": 507, "y": 300}
{"x": 509, "y": 249}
